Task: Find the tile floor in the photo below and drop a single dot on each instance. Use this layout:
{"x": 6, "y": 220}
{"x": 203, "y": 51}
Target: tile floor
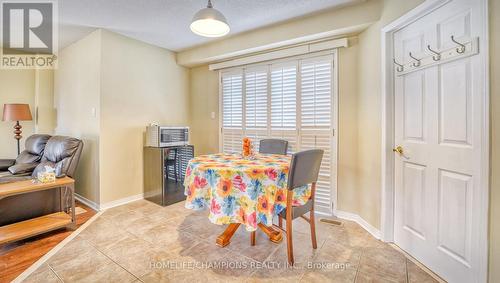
{"x": 143, "y": 242}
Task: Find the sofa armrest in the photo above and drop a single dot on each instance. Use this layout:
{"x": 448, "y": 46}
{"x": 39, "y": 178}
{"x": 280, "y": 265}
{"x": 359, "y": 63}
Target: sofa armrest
{"x": 22, "y": 168}
{"x": 6, "y": 163}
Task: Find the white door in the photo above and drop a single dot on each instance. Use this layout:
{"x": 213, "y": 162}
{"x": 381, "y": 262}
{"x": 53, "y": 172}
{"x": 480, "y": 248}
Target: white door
{"x": 438, "y": 124}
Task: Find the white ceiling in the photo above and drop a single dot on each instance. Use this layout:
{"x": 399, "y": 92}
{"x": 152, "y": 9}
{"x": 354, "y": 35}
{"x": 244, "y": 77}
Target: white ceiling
{"x": 165, "y": 23}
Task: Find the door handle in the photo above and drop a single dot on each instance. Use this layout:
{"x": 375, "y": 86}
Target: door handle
{"x": 398, "y": 149}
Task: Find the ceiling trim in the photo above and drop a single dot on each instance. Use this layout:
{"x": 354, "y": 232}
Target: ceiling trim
{"x": 318, "y": 37}
{"x": 282, "y": 53}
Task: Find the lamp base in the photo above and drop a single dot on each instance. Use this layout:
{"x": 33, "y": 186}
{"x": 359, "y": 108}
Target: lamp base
{"x": 17, "y": 135}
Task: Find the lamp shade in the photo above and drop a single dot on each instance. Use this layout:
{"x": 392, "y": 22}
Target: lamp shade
{"x": 209, "y": 22}
{"x": 16, "y": 112}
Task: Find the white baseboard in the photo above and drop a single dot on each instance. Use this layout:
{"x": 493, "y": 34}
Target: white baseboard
{"x": 104, "y": 206}
{"x": 121, "y": 201}
{"x": 356, "y": 218}
{"x": 87, "y": 202}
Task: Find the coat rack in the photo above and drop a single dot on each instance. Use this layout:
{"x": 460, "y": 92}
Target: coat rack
{"x": 434, "y": 57}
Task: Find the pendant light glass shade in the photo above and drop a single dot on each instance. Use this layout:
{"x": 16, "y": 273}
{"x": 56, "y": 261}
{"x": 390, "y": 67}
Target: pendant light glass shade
{"x": 209, "y": 22}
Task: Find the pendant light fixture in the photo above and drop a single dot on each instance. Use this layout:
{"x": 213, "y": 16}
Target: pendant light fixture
{"x": 209, "y": 22}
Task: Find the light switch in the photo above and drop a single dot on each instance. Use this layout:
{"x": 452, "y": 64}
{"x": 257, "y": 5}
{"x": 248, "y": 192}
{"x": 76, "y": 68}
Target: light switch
{"x": 212, "y": 115}
{"x": 94, "y": 112}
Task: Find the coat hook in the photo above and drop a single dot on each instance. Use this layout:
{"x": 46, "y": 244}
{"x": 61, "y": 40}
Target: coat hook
{"x": 399, "y": 67}
{"x": 460, "y": 49}
{"x": 436, "y": 57}
{"x": 417, "y": 63}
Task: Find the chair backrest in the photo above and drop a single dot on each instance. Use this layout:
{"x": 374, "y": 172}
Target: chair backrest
{"x": 273, "y": 146}
{"x": 62, "y": 153}
{"x": 33, "y": 149}
{"x": 304, "y": 168}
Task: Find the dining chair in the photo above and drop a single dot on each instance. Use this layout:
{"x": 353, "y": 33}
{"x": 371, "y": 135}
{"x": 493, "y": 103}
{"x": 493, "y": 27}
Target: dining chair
{"x": 171, "y": 161}
{"x": 304, "y": 170}
{"x": 273, "y": 146}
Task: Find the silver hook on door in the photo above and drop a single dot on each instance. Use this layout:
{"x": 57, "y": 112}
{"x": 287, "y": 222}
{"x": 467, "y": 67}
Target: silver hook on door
{"x": 417, "y": 61}
{"x": 461, "y": 48}
{"x": 437, "y": 55}
{"x": 399, "y": 67}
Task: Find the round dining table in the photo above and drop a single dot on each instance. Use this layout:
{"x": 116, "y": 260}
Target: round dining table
{"x": 239, "y": 190}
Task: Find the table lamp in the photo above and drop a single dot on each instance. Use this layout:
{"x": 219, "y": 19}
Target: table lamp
{"x": 17, "y": 112}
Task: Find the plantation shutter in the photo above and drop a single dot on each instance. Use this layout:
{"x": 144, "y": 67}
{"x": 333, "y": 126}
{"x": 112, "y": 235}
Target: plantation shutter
{"x": 256, "y": 103}
{"x": 287, "y": 100}
{"x": 316, "y": 122}
{"x": 232, "y": 111}
{"x": 284, "y": 104}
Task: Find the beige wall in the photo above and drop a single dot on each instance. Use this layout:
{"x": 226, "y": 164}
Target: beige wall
{"x": 34, "y": 87}
{"x": 494, "y": 10}
{"x": 108, "y": 88}
{"x": 44, "y": 101}
{"x": 204, "y": 99}
{"x": 77, "y": 93}
{"x": 16, "y": 86}
{"x": 348, "y": 130}
{"x": 140, "y": 84}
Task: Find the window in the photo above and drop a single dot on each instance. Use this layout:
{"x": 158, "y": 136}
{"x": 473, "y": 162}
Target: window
{"x": 291, "y": 100}
{"x": 232, "y": 116}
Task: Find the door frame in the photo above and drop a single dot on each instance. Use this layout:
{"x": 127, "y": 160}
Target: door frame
{"x": 388, "y": 130}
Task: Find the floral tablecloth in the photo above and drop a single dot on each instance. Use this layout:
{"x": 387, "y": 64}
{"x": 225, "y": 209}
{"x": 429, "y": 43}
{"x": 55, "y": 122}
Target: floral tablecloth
{"x": 238, "y": 190}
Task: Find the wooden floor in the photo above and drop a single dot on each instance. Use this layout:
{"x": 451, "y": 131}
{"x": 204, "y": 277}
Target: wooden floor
{"x": 17, "y": 257}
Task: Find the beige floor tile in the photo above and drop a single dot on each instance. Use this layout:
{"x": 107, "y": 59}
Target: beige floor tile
{"x": 188, "y": 276}
{"x": 143, "y": 206}
{"x": 103, "y": 232}
{"x": 276, "y": 272}
{"x": 78, "y": 247}
{"x": 140, "y": 225}
{"x": 135, "y": 255}
{"x": 383, "y": 262}
{"x": 362, "y": 277}
{"x": 334, "y": 254}
{"x": 187, "y": 269}
{"x": 263, "y": 248}
{"x": 167, "y": 213}
{"x": 329, "y": 275}
{"x": 183, "y": 222}
{"x": 302, "y": 249}
{"x": 205, "y": 230}
{"x": 124, "y": 219}
{"x": 90, "y": 266}
{"x": 43, "y": 274}
{"x": 417, "y": 275}
{"x": 168, "y": 238}
{"x": 110, "y": 212}
{"x": 174, "y": 244}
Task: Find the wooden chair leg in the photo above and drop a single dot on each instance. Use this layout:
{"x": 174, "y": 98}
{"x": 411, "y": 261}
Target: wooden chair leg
{"x": 312, "y": 223}
{"x": 252, "y": 238}
{"x": 289, "y": 242}
{"x": 289, "y": 229}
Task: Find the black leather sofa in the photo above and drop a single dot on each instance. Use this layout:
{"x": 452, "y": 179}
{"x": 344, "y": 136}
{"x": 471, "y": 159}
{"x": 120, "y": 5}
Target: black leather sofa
{"x": 60, "y": 152}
